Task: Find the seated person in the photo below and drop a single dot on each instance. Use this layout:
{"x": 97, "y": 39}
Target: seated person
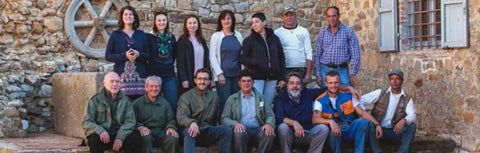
{"x": 198, "y": 113}
{"x": 339, "y": 111}
{"x": 251, "y": 116}
{"x": 293, "y": 110}
{"x": 109, "y": 114}
{"x": 155, "y": 120}
{"x": 395, "y": 111}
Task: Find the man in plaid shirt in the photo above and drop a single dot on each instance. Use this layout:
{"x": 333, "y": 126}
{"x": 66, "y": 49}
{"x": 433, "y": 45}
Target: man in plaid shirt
{"x": 337, "y": 46}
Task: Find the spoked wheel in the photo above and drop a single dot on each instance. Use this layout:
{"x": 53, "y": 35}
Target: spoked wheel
{"x": 83, "y": 24}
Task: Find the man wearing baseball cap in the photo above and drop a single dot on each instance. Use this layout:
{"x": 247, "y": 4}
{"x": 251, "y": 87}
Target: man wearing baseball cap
{"x": 296, "y": 45}
{"x": 395, "y": 111}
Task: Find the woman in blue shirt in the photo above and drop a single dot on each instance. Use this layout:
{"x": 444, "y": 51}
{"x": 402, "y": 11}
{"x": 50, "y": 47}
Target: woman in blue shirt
{"x": 162, "y": 59}
{"x": 225, "y": 49}
{"x": 128, "y": 44}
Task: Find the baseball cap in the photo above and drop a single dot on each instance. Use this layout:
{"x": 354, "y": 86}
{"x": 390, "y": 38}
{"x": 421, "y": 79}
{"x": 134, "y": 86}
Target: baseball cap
{"x": 289, "y": 9}
{"x": 397, "y": 72}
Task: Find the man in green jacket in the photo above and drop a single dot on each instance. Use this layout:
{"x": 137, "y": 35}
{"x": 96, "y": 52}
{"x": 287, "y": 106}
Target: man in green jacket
{"x": 251, "y": 116}
{"x": 198, "y": 113}
{"x": 109, "y": 114}
{"x": 155, "y": 120}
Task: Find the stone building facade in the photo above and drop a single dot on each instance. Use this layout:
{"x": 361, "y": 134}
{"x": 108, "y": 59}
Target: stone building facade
{"x": 34, "y": 45}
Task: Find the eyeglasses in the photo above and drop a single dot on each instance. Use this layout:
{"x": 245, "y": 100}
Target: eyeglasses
{"x": 203, "y": 79}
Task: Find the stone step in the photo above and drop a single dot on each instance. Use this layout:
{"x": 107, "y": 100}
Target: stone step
{"x": 54, "y": 143}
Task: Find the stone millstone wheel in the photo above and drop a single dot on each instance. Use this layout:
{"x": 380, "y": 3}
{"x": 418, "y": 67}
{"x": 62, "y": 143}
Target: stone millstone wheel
{"x": 82, "y": 24}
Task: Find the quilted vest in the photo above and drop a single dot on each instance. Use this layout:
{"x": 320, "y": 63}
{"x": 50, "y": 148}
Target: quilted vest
{"x": 345, "y": 110}
{"x": 380, "y": 107}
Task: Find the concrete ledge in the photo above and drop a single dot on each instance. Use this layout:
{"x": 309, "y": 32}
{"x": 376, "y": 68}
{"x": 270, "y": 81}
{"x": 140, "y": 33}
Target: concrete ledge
{"x": 54, "y": 143}
{"x": 71, "y": 92}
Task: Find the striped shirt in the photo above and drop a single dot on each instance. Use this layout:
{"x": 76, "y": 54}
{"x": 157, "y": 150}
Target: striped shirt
{"x": 338, "y": 48}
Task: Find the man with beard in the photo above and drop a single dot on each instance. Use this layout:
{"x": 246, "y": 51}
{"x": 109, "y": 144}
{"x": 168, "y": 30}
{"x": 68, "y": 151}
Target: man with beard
{"x": 293, "y": 110}
{"x": 395, "y": 110}
{"x": 198, "y": 113}
{"x": 155, "y": 120}
{"x": 251, "y": 115}
{"x": 340, "y": 111}
{"x": 109, "y": 119}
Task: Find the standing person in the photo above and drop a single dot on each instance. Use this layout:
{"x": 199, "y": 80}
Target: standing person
{"x": 192, "y": 53}
{"x": 395, "y": 110}
{"x": 263, "y": 56}
{"x": 340, "y": 112}
{"x": 162, "y": 57}
{"x": 225, "y": 49}
{"x": 198, "y": 114}
{"x": 128, "y": 44}
{"x": 337, "y": 46}
{"x": 109, "y": 119}
{"x": 252, "y": 118}
{"x": 155, "y": 120}
{"x": 297, "y": 46}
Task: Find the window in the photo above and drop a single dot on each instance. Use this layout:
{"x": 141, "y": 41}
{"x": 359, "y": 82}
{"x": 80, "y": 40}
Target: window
{"x": 423, "y": 24}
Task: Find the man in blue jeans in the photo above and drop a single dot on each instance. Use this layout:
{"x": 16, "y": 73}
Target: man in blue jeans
{"x": 340, "y": 112}
{"x": 395, "y": 110}
{"x": 337, "y": 47}
{"x": 198, "y": 113}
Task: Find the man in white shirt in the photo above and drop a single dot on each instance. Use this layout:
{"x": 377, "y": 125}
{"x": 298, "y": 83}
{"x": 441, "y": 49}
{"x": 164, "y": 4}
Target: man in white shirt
{"x": 340, "y": 112}
{"x": 296, "y": 45}
{"x": 395, "y": 110}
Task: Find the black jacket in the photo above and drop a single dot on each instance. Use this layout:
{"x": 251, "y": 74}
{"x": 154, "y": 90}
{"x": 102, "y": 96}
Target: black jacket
{"x": 262, "y": 62}
{"x": 162, "y": 66}
{"x": 186, "y": 61}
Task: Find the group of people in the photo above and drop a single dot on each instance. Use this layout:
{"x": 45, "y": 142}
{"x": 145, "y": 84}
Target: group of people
{"x": 250, "y": 106}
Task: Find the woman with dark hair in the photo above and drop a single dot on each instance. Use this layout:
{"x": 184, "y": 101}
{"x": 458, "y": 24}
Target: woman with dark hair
{"x": 192, "y": 53}
{"x": 263, "y": 56}
{"x": 162, "y": 59}
{"x": 128, "y": 44}
{"x": 225, "y": 49}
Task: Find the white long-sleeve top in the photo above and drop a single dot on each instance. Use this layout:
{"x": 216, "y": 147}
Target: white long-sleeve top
{"x": 297, "y": 46}
{"x": 214, "y": 55}
{"x": 373, "y": 96}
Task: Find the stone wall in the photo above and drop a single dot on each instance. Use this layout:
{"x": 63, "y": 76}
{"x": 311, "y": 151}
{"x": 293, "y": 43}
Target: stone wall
{"x": 443, "y": 82}
{"x": 34, "y": 46}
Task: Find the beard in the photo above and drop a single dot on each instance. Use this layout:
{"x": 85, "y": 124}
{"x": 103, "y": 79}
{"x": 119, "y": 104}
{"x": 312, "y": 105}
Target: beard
{"x": 294, "y": 94}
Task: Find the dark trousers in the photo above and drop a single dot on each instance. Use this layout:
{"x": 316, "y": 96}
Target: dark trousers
{"x": 131, "y": 144}
{"x": 158, "y": 138}
{"x": 253, "y": 136}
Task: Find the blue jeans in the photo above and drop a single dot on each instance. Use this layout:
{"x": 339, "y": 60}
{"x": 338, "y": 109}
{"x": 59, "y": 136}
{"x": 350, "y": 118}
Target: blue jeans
{"x": 170, "y": 91}
{"x": 357, "y": 131}
{"x": 230, "y": 87}
{"x": 406, "y": 138}
{"x": 221, "y": 133}
{"x": 266, "y": 88}
{"x": 343, "y": 72}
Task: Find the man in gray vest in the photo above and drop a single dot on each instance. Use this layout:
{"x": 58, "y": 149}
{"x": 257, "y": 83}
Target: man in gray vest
{"x": 395, "y": 111}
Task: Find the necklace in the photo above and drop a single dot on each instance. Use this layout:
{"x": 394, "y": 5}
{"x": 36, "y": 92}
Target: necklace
{"x": 130, "y": 41}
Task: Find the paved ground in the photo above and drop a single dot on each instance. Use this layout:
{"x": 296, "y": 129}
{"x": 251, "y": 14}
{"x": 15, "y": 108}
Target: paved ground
{"x": 54, "y": 143}
{"x": 42, "y": 142}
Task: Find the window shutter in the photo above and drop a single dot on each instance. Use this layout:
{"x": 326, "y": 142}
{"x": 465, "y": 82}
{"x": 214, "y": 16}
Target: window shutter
{"x": 454, "y": 23}
{"x": 387, "y": 25}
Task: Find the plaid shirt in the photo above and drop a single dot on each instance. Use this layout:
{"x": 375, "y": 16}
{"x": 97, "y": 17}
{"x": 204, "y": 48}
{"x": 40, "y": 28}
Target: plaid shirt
{"x": 340, "y": 47}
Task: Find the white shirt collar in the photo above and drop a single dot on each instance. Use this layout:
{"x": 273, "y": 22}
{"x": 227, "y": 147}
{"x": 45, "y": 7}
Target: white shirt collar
{"x": 390, "y": 90}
